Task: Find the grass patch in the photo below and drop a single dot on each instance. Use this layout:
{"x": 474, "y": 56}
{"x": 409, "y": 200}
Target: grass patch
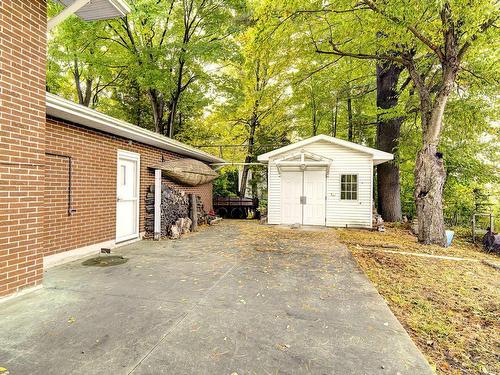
{"x": 450, "y": 308}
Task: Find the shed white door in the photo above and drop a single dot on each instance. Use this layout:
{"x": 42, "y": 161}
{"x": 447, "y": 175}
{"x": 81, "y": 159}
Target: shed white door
{"x": 308, "y": 185}
{"x": 127, "y": 196}
{"x": 314, "y": 191}
{"x": 291, "y": 191}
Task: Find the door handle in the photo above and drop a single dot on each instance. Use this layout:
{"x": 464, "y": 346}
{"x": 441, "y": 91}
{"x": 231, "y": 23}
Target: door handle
{"x": 303, "y": 200}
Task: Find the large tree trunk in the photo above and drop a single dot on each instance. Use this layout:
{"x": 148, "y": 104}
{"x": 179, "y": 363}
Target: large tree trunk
{"x": 430, "y": 174}
{"x": 388, "y": 132}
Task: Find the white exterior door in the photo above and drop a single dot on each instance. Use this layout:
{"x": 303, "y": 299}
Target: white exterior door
{"x": 127, "y": 196}
{"x": 311, "y": 187}
{"x": 314, "y": 191}
{"x": 291, "y": 191}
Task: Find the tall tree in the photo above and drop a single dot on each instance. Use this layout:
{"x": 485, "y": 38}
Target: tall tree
{"x": 81, "y": 61}
{"x": 431, "y": 40}
{"x": 264, "y": 93}
{"x": 388, "y": 133}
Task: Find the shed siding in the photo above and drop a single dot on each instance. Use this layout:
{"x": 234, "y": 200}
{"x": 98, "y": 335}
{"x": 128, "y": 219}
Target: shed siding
{"x": 274, "y": 196}
{"x": 339, "y": 213}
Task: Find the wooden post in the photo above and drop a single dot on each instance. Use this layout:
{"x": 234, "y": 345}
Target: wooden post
{"x": 193, "y": 212}
{"x": 492, "y": 222}
{"x": 157, "y": 226}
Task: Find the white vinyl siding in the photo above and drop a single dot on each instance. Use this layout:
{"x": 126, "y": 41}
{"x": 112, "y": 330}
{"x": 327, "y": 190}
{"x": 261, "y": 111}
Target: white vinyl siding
{"x": 339, "y": 213}
{"x": 274, "y": 196}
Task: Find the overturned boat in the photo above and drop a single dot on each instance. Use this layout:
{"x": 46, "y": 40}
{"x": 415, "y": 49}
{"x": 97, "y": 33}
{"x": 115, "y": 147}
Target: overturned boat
{"x": 189, "y": 172}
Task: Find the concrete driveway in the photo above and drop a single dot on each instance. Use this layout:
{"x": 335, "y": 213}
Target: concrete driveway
{"x": 238, "y": 298}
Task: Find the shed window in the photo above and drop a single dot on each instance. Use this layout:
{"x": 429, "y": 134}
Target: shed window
{"x": 349, "y": 187}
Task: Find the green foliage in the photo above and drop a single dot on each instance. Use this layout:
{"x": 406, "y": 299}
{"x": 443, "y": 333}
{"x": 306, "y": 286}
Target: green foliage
{"x": 226, "y": 185}
{"x": 257, "y": 63}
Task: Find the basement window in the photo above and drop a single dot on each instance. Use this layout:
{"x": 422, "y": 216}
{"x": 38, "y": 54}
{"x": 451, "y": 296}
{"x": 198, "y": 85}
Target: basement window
{"x": 349, "y": 187}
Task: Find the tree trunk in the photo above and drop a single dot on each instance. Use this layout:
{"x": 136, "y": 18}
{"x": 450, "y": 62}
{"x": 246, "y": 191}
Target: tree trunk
{"x": 172, "y": 111}
{"x": 430, "y": 176}
{"x": 349, "y": 118}
{"x": 88, "y": 93}
{"x": 334, "y": 127}
{"x": 388, "y": 132}
{"x": 248, "y": 157}
{"x": 158, "y": 107}
{"x": 314, "y": 114}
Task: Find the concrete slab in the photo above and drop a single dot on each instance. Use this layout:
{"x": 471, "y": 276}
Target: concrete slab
{"x": 198, "y": 306}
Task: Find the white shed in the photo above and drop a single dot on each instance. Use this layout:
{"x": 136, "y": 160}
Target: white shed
{"x": 322, "y": 181}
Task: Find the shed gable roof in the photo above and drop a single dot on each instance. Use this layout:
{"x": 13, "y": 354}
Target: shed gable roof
{"x": 377, "y": 155}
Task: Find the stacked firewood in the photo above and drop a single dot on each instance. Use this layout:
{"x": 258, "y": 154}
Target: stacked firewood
{"x": 175, "y": 209}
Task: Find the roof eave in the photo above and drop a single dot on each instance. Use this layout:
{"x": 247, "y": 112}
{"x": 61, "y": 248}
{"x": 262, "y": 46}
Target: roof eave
{"x": 377, "y": 155}
{"x": 69, "y": 111}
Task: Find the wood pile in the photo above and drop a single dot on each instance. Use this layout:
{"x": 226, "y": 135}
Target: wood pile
{"x": 175, "y": 209}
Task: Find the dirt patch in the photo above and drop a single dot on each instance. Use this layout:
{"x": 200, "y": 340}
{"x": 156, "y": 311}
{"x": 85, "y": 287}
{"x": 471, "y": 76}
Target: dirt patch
{"x": 450, "y": 308}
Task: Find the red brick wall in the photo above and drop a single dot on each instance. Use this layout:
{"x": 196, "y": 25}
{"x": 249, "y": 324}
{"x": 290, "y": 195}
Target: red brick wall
{"x": 22, "y": 122}
{"x": 94, "y": 156}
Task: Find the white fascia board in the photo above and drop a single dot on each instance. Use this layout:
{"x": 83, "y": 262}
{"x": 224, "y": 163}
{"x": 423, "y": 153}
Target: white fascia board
{"x": 121, "y": 6}
{"x": 378, "y": 156}
{"x": 78, "y": 114}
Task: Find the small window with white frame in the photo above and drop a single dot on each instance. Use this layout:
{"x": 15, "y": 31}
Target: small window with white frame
{"x": 349, "y": 187}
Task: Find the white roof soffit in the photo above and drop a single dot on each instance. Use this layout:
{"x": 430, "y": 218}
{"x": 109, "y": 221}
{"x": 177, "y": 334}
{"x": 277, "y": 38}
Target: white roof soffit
{"x": 79, "y": 114}
{"x": 379, "y": 157}
{"x": 90, "y": 10}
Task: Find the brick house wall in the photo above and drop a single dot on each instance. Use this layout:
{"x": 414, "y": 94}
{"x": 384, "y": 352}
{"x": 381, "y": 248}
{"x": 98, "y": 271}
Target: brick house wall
{"x": 94, "y": 156}
{"x": 22, "y": 144}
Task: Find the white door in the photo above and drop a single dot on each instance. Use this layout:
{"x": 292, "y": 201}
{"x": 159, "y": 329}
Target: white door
{"x": 291, "y": 191}
{"x": 314, "y": 191}
{"x": 127, "y": 196}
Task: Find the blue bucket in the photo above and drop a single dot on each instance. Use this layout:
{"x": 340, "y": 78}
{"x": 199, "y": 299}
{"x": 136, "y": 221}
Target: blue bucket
{"x": 449, "y": 237}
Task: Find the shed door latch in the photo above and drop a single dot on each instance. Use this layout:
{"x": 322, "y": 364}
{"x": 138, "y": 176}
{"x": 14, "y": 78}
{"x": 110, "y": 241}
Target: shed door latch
{"x": 303, "y": 199}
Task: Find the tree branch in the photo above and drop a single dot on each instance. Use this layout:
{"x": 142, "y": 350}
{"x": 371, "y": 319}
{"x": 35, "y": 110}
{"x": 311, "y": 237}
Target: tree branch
{"x": 412, "y": 29}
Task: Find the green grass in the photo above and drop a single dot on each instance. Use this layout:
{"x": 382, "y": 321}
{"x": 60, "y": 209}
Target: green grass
{"x": 449, "y": 308}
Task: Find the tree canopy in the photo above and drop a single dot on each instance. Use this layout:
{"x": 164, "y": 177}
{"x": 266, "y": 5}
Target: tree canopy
{"x": 239, "y": 78}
